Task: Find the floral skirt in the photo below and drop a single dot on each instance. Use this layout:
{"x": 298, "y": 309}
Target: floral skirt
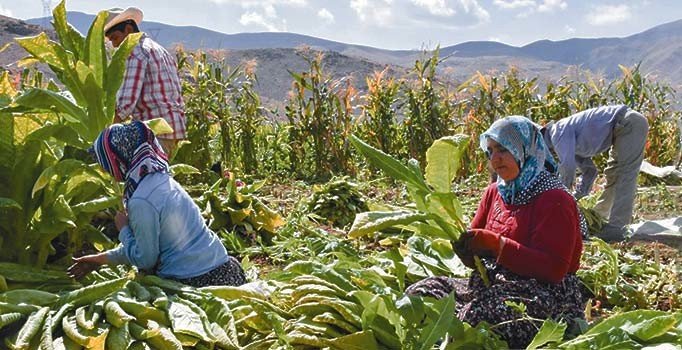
{"x": 477, "y": 303}
{"x": 227, "y": 274}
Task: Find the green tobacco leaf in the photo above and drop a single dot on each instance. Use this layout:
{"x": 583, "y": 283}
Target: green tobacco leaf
{"x": 443, "y": 248}
{"x": 642, "y": 324}
{"x": 24, "y": 273}
{"x": 388, "y": 164}
{"x": 613, "y": 339}
{"x": 447, "y": 206}
{"x": 94, "y": 53}
{"x": 550, "y": 332}
{"x": 326, "y": 272}
{"x": 45, "y": 100}
{"x": 364, "y": 340}
{"x": 183, "y": 169}
{"x": 184, "y": 320}
{"x": 26, "y": 171}
{"x": 431, "y": 231}
{"x": 266, "y": 218}
{"x": 56, "y": 218}
{"x": 66, "y": 166}
{"x": 413, "y": 165}
{"x": 438, "y": 327}
{"x": 443, "y": 161}
{"x": 69, "y": 37}
{"x": 96, "y": 237}
{"x": 97, "y": 118}
{"x": 372, "y": 221}
{"x": 7, "y": 203}
{"x": 116, "y": 70}
{"x": 60, "y": 132}
{"x": 411, "y": 308}
{"x": 45, "y": 51}
{"x": 159, "y": 126}
{"x": 7, "y": 148}
{"x": 96, "y": 205}
{"x": 423, "y": 253}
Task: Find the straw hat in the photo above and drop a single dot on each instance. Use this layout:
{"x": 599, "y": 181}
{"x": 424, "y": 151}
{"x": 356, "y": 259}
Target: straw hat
{"x": 118, "y": 15}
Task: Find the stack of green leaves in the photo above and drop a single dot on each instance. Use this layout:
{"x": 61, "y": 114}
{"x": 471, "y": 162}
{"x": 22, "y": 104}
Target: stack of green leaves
{"x": 337, "y": 202}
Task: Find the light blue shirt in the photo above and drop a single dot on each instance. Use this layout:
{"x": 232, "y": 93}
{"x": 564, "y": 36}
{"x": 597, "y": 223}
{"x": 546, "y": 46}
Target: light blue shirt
{"x": 166, "y": 227}
{"x": 578, "y": 138}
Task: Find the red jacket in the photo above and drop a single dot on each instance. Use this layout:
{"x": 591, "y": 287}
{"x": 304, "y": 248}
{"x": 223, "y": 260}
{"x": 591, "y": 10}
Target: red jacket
{"x": 543, "y": 236}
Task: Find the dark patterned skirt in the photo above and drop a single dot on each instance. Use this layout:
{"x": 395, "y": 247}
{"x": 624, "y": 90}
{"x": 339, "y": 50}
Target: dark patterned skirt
{"x": 477, "y": 303}
{"x": 227, "y": 274}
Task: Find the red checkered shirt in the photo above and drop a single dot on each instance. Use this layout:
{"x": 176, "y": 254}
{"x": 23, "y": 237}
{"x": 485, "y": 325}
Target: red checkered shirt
{"x": 151, "y": 88}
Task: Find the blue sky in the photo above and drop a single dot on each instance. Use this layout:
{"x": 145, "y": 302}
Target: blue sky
{"x": 397, "y": 24}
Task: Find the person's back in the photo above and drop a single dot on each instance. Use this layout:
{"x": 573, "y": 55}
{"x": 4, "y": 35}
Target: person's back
{"x": 592, "y": 131}
{"x": 186, "y": 246}
{"x": 154, "y": 73}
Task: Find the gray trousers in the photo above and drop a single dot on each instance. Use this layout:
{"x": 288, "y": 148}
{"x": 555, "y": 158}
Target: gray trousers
{"x": 625, "y": 158}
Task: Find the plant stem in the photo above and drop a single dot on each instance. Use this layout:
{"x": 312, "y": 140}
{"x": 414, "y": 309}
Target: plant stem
{"x": 482, "y": 271}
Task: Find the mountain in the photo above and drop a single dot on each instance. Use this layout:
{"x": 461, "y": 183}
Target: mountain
{"x": 192, "y": 38}
{"x": 659, "y": 50}
{"x": 273, "y": 64}
{"x": 11, "y": 28}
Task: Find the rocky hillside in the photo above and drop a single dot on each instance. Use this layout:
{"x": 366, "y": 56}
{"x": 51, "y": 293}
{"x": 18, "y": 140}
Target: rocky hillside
{"x": 11, "y": 28}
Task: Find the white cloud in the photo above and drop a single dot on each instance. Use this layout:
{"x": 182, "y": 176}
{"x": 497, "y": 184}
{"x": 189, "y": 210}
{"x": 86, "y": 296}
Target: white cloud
{"x": 435, "y": 7}
{"x": 514, "y": 4}
{"x": 254, "y": 18}
{"x": 569, "y": 30}
{"x": 551, "y": 5}
{"x": 378, "y": 12}
{"x": 325, "y": 15}
{"x": 473, "y": 7}
{"x": 262, "y": 3}
{"x": 448, "y": 14}
{"x": 529, "y": 7}
{"x": 270, "y": 11}
{"x": 607, "y": 14}
{"x": 6, "y": 12}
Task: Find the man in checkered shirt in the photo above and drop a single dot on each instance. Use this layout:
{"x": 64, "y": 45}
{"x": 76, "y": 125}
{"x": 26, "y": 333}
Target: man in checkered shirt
{"x": 151, "y": 85}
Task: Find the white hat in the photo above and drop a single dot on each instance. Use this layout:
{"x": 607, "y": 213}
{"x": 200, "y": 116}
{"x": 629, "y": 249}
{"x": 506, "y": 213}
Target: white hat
{"x": 118, "y": 15}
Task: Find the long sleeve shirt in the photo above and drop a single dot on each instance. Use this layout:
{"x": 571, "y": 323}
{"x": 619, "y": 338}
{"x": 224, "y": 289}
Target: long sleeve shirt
{"x": 543, "y": 238}
{"x": 165, "y": 231}
{"x": 151, "y": 87}
{"x": 578, "y": 138}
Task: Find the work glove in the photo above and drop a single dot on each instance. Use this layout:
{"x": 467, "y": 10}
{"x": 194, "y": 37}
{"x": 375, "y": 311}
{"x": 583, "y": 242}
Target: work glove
{"x": 485, "y": 243}
{"x": 460, "y": 247}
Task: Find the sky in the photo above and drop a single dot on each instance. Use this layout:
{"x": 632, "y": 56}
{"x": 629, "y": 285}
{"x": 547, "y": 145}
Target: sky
{"x": 396, "y": 24}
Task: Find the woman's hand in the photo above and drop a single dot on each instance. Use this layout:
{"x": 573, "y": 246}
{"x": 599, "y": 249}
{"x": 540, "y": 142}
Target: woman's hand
{"x": 121, "y": 220}
{"x": 86, "y": 264}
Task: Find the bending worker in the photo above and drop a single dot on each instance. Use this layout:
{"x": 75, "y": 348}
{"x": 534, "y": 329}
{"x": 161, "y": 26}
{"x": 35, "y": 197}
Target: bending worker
{"x": 581, "y": 136}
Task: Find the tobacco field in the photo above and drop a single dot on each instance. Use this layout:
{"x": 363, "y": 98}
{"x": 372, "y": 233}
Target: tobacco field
{"x": 334, "y": 204}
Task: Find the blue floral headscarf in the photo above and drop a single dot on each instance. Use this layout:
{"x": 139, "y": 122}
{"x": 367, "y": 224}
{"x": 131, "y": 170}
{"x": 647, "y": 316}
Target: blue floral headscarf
{"x": 130, "y": 152}
{"x": 523, "y": 139}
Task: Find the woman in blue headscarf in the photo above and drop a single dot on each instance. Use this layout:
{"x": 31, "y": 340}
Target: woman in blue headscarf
{"x": 162, "y": 229}
{"x": 528, "y": 231}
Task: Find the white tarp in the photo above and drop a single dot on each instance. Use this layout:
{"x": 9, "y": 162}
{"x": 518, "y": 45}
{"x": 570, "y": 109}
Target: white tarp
{"x": 660, "y": 172}
{"x": 668, "y": 231}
